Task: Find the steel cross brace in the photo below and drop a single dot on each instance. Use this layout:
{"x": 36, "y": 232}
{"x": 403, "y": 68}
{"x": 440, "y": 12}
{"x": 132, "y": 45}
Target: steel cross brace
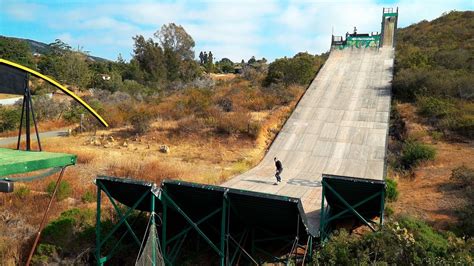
{"x": 119, "y": 212}
{"x": 99, "y": 242}
{"x": 350, "y": 208}
{"x": 191, "y": 222}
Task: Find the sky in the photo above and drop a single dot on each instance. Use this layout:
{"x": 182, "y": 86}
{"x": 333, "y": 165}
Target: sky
{"x": 235, "y": 29}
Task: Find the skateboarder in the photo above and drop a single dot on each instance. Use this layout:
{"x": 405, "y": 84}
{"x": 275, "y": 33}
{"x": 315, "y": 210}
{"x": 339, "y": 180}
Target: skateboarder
{"x": 279, "y": 169}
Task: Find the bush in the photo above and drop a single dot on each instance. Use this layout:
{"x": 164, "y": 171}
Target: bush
{"x": 300, "y": 69}
{"x": 405, "y": 241}
{"x": 413, "y": 153}
{"x": 9, "y": 118}
{"x": 141, "y": 121}
{"x": 434, "y": 107}
{"x": 392, "y": 191}
{"x": 88, "y": 196}
{"x": 464, "y": 176}
{"x": 47, "y": 109}
{"x": 235, "y": 123}
{"x": 43, "y": 254}
{"x": 22, "y": 192}
{"x": 68, "y": 228}
{"x": 64, "y": 190}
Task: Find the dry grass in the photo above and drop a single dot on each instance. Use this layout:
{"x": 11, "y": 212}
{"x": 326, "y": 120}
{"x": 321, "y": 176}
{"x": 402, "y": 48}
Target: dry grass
{"x": 198, "y": 153}
{"x": 434, "y": 199}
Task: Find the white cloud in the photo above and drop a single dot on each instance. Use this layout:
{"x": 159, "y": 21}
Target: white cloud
{"x": 22, "y": 11}
{"x": 233, "y": 29}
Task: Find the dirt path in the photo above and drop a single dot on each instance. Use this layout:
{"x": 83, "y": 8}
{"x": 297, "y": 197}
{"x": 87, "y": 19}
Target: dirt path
{"x": 430, "y": 194}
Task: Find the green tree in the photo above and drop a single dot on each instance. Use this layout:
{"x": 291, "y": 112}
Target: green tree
{"x": 150, "y": 58}
{"x": 68, "y": 66}
{"x": 225, "y": 65}
{"x": 300, "y": 69}
{"x": 175, "y": 38}
{"x": 17, "y": 51}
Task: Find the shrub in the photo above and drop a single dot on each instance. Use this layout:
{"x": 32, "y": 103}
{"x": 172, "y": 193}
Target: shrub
{"x": 9, "y": 118}
{"x": 392, "y": 191}
{"x": 300, "y": 69}
{"x": 465, "y": 225}
{"x": 413, "y": 153}
{"x": 43, "y": 254}
{"x": 64, "y": 190}
{"x": 68, "y": 227}
{"x": 88, "y": 196}
{"x": 22, "y": 192}
{"x": 464, "y": 176}
{"x": 434, "y": 107}
{"x": 46, "y": 108}
{"x": 141, "y": 121}
{"x": 405, "y": 241}
{"x": 388, "y": 211}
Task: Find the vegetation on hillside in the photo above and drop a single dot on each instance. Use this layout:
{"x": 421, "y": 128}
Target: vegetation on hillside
{"x": 402, "y": 241}
{"x": 433, "y": 68}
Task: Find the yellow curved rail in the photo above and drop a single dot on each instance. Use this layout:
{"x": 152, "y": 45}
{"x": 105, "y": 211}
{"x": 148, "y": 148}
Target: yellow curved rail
{"x": 59, "y": 86}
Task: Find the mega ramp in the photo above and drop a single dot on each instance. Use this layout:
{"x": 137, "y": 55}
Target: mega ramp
{"x": 338, "y": 128}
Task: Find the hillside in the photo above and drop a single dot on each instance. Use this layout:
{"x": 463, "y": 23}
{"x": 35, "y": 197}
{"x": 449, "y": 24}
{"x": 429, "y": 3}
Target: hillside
{"x": 434, "y": 93}
{"x": 43, "y": 48}
{"x": 433, "y": 70}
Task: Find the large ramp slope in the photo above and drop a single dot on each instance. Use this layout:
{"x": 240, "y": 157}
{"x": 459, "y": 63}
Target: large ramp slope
{"x": 339, "y": 128}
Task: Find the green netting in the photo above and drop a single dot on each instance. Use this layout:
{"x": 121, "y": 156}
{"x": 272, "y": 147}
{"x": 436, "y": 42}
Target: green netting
{"x": 151, "y": 252}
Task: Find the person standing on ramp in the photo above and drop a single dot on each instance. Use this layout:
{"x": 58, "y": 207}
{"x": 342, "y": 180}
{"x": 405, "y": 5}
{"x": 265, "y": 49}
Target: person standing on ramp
{"x": 279, "y": 169}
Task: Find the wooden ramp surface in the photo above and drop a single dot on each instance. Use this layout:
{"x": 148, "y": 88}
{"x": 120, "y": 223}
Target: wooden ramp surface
{"x": 339, "y": 127}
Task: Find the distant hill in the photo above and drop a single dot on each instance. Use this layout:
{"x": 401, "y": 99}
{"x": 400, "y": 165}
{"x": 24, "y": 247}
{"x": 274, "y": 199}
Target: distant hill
{"x": 453, "y": 30}
{"x": 43, "y": 48}
{"x": 433, "y": 69}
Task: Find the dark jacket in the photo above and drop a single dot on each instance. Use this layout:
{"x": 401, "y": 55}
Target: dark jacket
{"x": 278, "y": 165}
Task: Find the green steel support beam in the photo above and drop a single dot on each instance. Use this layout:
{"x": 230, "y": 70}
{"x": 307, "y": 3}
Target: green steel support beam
{"x": 348, "y": 205}
{"x": 322, "y": 222}
{"x": 153, "y": 226}
{"x": 185, "y": 231}
{"x": 129, "y": 211}
{"x": 237, "y": 250}
{"x": 117, "y": 244}
{"x": 354, "y": 206}
{"x": 176, "y": 248}
{"x": 190, "y": 221}
{"x": 310, "y": 248}
{"x": 97, "y": 227}
{"x": 223, "y": 230}
{"x": 382, "y": 205}
{"x": 119, "y": 212}
{"x": 164, "y": 204}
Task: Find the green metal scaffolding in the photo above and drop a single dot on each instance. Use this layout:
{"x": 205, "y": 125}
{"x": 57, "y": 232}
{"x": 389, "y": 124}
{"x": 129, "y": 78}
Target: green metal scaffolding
{"x": 350, "y": 197}
{"x": 223, "y": 227}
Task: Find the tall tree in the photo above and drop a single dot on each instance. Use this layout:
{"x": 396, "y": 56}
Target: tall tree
{"x": 151, "y": 59}
{"x": 175, "y": 38}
